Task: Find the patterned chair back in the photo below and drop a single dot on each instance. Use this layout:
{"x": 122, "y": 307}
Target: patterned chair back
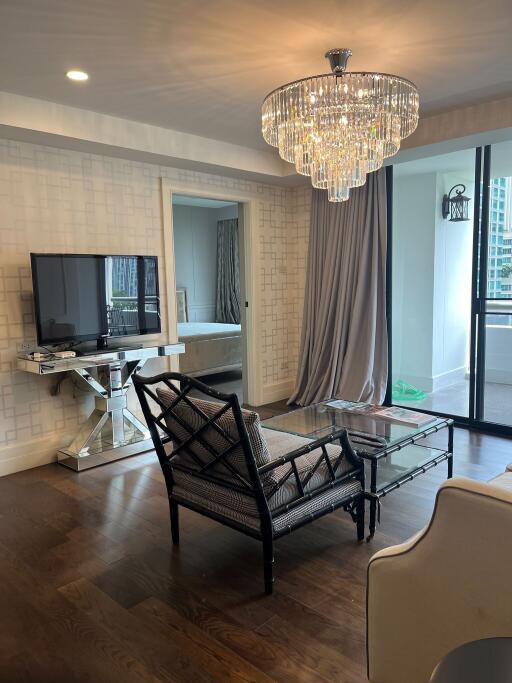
{"x": 208, "y": 440}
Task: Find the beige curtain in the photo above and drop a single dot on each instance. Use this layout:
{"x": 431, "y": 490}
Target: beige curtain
{"x": 344, "y": 337}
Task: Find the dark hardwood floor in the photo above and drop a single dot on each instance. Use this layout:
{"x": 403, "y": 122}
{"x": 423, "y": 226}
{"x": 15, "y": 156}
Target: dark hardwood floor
{"x": 91, "y": 590}
{"x": 229, "y": 382}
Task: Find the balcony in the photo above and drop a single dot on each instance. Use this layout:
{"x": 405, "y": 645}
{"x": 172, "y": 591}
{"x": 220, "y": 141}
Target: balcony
{"x": 454, "y": 398}
{"x": 123, "y": 315}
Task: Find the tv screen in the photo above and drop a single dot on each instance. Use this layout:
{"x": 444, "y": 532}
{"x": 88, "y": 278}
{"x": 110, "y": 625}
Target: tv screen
{"x": 80, "y": 297}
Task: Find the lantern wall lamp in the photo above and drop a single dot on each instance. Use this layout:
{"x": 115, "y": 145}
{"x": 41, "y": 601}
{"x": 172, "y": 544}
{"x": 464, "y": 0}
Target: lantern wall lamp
{"x": 456, "y": 206}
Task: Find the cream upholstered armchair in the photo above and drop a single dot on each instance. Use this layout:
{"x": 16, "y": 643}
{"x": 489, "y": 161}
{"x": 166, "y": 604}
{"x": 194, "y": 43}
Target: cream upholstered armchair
{"x": 448, "y": 585}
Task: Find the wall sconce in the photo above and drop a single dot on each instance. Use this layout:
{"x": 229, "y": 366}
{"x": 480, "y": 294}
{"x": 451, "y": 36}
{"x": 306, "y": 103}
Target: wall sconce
{"x": 457, "y": 207}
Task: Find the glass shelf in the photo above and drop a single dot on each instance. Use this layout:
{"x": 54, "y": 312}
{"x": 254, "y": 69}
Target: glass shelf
{"x": 398, "y": 466}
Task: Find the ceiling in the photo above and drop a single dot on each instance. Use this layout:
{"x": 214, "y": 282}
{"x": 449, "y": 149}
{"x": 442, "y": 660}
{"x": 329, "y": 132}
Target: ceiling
{"x": 204, "y": 68}
{"x": 203, "y": 202}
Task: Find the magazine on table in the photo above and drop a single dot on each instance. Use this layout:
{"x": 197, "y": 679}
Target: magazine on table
{"x": 396, "y": 414}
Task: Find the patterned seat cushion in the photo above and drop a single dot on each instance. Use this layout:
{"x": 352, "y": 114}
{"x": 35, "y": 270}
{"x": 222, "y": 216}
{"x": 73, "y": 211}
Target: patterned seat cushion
{"x": 331, "y": 498}
{"x": 241, "y": 509}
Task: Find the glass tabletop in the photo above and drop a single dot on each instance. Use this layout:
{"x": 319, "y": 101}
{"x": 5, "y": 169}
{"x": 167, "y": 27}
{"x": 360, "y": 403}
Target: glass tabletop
{"x": 369, "y": 434}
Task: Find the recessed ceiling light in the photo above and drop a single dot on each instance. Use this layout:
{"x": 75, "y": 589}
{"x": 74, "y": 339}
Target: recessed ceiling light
{"x": 75, "y": 75}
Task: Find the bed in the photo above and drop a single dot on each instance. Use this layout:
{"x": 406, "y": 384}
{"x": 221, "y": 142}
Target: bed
{"x": 210, "y": 348}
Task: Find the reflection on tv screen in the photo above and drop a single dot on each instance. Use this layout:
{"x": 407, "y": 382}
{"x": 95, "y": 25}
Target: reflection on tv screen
{"x": 80, "y": 297}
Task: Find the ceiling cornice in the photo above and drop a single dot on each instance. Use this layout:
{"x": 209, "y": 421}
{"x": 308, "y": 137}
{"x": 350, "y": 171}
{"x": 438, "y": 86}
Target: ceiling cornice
{"x": 57, "y": 125}
{"x": 42, "y": 122}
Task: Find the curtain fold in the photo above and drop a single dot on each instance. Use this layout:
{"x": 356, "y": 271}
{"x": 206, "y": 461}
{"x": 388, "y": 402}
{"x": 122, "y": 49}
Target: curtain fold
{"x": 228, "y": 272}
{"x": 343, "y": 349}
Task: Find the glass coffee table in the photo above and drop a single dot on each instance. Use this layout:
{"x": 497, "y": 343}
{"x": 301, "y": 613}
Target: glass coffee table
{"x": 394, "y": 453}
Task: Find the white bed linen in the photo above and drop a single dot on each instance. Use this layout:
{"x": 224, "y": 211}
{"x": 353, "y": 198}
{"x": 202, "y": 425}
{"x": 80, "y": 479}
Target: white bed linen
{"x": 199, "y": 330}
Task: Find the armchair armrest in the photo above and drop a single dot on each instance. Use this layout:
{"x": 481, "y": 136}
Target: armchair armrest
{"x": 276, "y": 476}
{"x": 447, "y": 585}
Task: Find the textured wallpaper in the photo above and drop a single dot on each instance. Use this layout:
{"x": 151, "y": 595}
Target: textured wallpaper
{"x": 54, "y": 200}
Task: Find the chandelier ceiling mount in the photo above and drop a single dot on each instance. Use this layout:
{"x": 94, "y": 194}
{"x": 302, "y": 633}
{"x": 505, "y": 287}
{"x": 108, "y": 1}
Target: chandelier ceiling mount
{"x": 338, "y": 59}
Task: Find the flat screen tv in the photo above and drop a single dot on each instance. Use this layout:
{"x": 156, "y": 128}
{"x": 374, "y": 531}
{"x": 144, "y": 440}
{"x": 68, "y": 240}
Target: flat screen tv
{"x": 81, "y": 297}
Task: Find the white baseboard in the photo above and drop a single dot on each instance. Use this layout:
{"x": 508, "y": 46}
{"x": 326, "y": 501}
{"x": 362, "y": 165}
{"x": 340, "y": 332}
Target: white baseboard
{"x": 24, "y": 455}
{"x": 430, "y": 384}
{"x": 277, "y": 391}
{"x": 447, "y": 379}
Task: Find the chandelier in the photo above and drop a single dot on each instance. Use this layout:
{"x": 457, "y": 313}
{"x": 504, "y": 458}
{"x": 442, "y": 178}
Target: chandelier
{"x": 340, "y": 126}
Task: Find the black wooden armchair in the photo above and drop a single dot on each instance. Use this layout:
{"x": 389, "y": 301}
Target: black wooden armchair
{"x": 219, "y": 461}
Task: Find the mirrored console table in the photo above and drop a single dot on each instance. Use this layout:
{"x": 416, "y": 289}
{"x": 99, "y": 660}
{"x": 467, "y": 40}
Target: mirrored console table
{"x": 112, "y": 431}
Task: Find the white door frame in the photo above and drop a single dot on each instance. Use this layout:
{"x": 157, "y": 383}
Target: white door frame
{"x": 251, "y": 368}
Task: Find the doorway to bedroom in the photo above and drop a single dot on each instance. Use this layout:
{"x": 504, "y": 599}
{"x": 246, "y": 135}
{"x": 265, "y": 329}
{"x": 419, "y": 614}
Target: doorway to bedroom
{"x": 208, "y": 250}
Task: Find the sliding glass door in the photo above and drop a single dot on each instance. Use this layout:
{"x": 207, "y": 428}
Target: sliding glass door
{"x": 450, "y": 285}
{"x": 493, "y": 393}
{"x": 431, "y": 285}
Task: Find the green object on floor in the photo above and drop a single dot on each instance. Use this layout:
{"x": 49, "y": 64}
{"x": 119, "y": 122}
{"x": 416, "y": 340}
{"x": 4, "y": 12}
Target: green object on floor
{"x": 402, "y": 391}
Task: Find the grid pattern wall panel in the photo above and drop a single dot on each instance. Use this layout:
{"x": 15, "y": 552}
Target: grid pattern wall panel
{"x": 54, "y": 200}
{"x": 299, "y": 209}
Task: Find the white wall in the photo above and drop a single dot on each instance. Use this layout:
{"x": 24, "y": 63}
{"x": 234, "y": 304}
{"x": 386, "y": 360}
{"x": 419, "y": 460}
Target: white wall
{"x": 195, "y": 246}
{"x": 414, "y": 199}
{"x": 452, "y": 289}
{"x": 431, "y": 283}
{"x": 225, "y": 212}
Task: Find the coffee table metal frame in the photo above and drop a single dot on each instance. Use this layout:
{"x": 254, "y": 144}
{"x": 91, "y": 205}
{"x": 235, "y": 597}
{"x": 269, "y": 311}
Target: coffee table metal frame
{"x": 376, "y": 450}
{"x": 372, "y": 449}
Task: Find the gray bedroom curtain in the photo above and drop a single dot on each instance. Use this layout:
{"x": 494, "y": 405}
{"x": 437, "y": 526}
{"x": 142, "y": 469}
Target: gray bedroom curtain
{"x": 228, "y": 272}
{"x": 344, "y": 336}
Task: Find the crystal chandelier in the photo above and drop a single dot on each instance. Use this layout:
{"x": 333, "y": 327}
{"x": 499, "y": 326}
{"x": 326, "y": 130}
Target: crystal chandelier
{"x": 340, "y": 126}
